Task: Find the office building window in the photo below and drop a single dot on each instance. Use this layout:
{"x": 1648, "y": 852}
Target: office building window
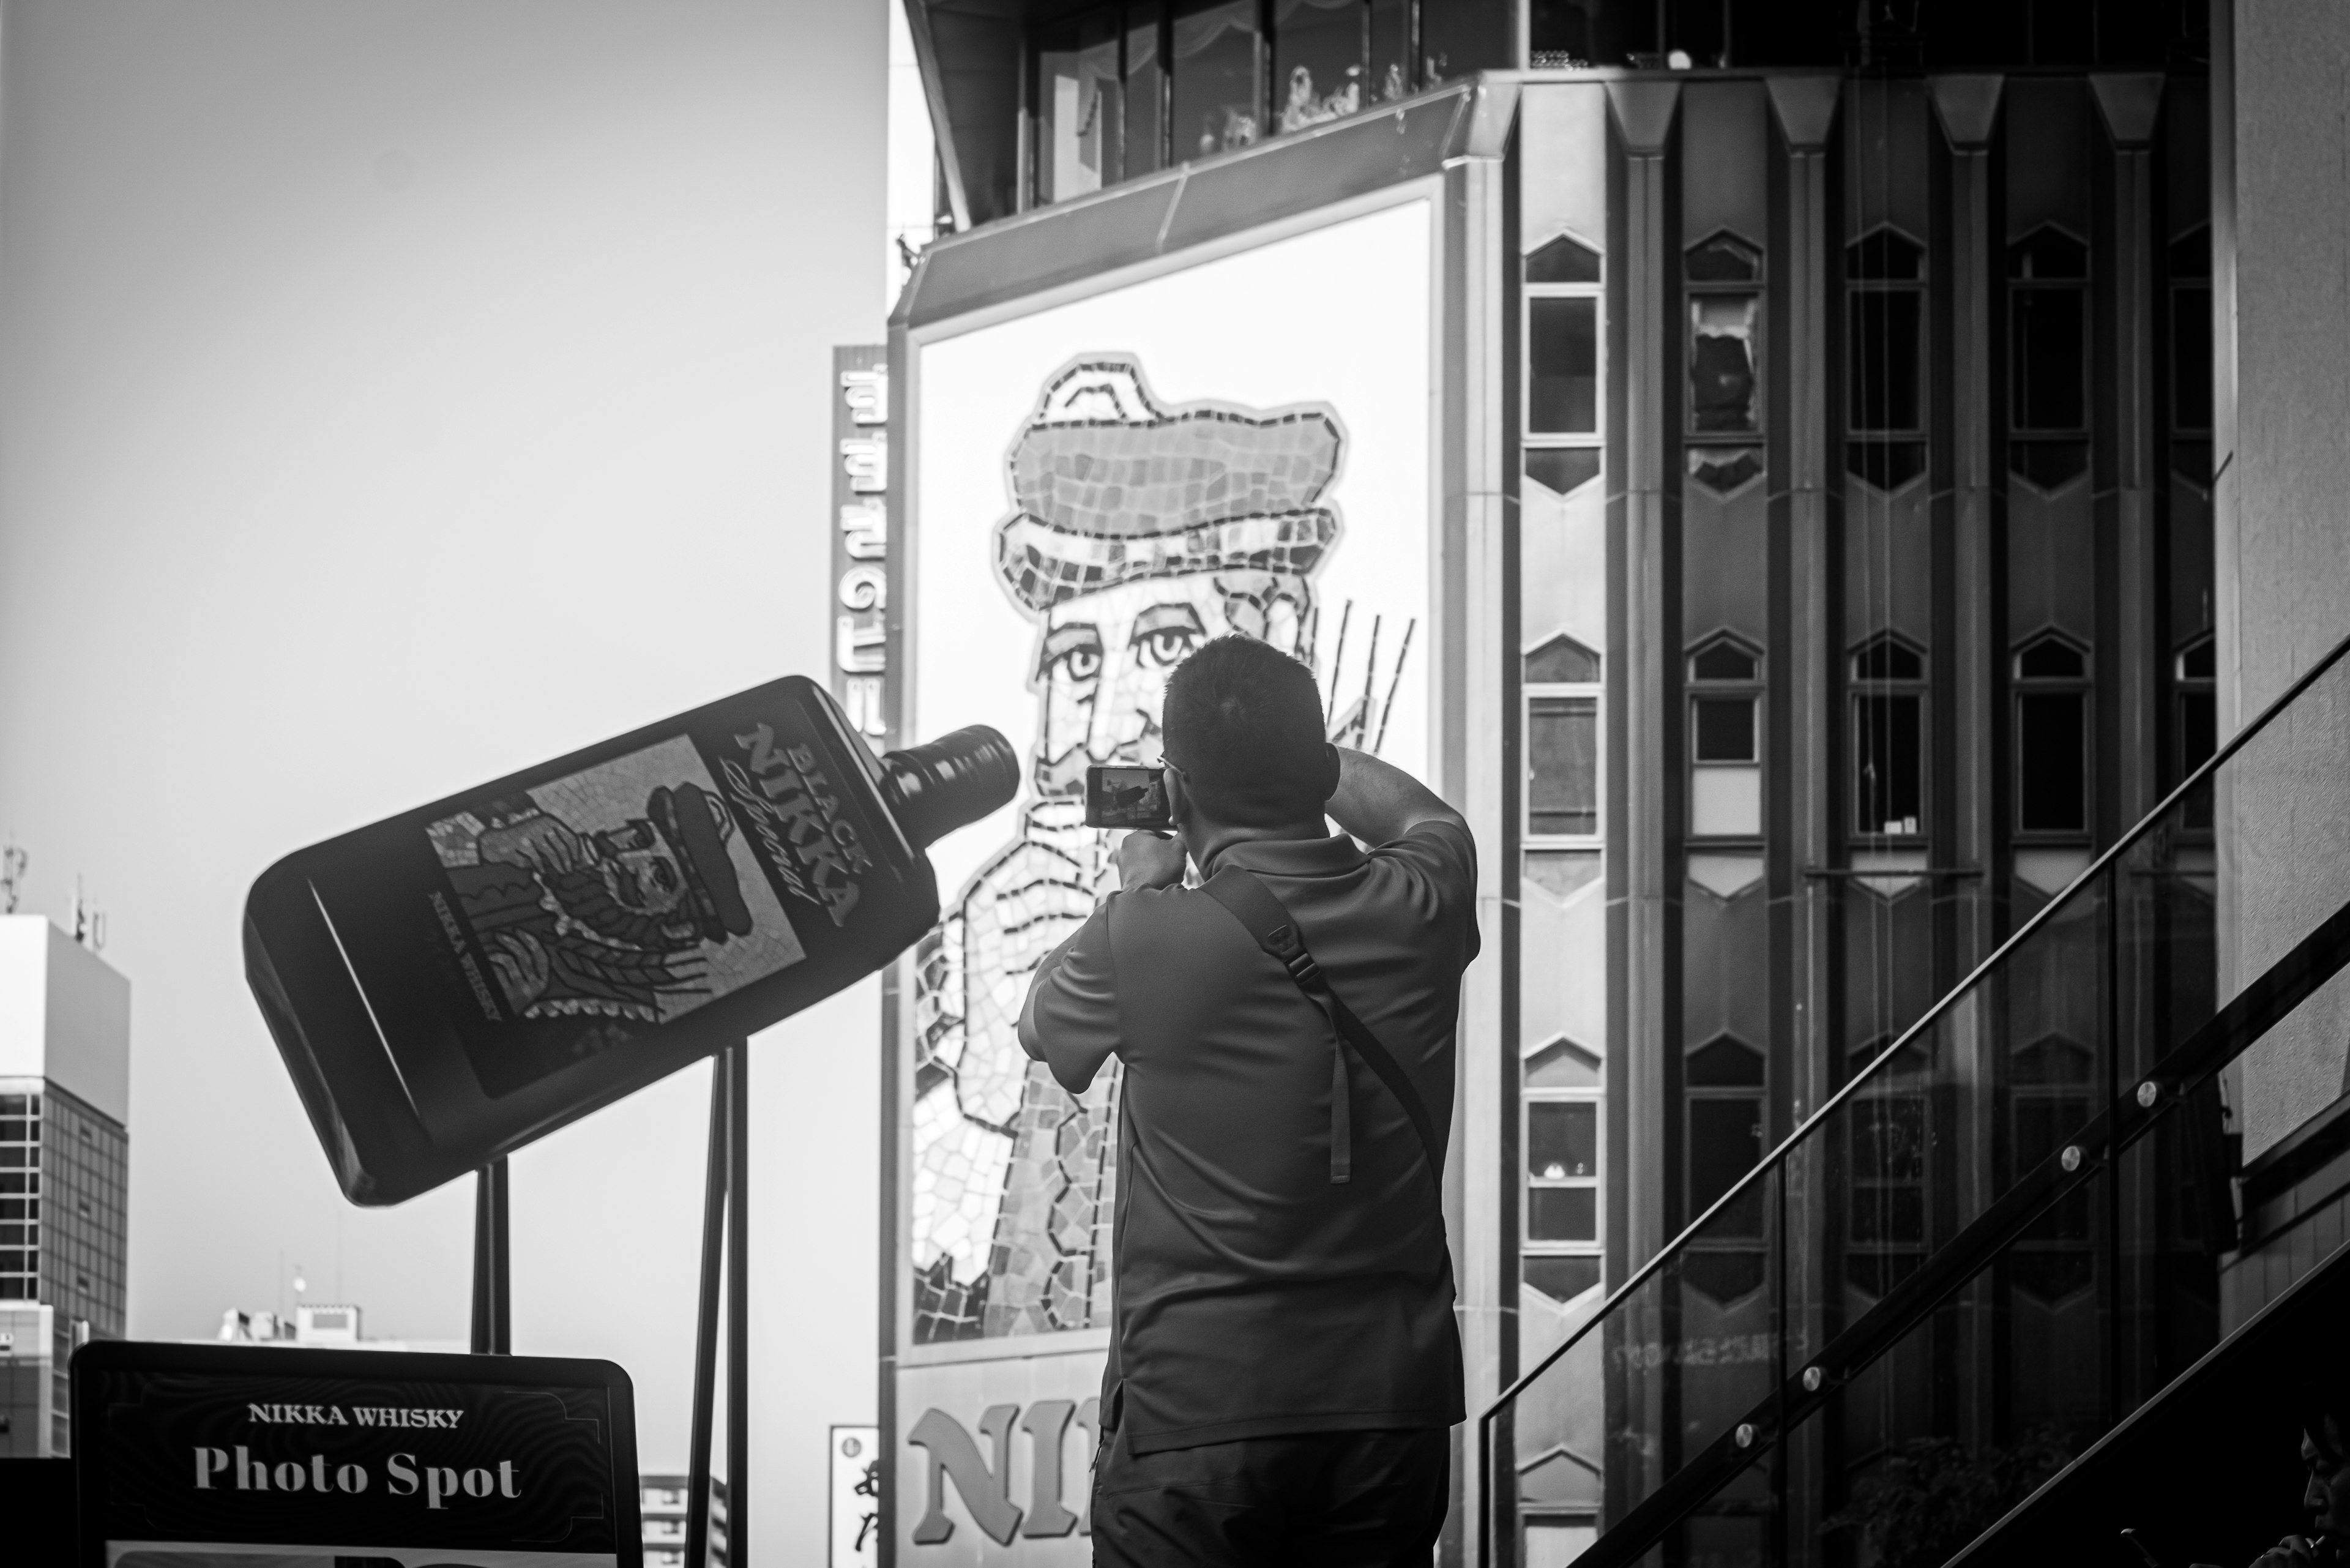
{"x": 1079, "y": 113}
{"x": 1563, "y": 322}
{"x": 2191, "y": 355}
{"x": 1722, "y": 1130}
{"x": 1219, "y": 96}
{"x": 1560, "y": 1133}
{"x": 2048, "y": 357}
{"x": 1725, "y": 702}
{"x": 1723, "y": 276}
{"x": 20, "y": 1197}
{"x": 2052, "y": 737}
{"x": 1562, "y": 695}
{"x": 1885, "y": 1213}
{"x": 1888, "y": 740}
{"x": 2048, "y": 1098}
{"x": 2196, "y": 721}
{"x": 1884, "y": 367}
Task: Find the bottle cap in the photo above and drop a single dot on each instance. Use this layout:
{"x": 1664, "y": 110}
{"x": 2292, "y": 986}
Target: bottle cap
{"x": 935, "y": 788}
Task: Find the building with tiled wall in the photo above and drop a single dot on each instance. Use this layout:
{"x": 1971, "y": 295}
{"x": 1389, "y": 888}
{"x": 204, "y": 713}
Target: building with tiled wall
{"x": 65, "y": 1111}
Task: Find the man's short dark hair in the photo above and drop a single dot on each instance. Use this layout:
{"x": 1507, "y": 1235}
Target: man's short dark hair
{"x": 1244, "y": 723}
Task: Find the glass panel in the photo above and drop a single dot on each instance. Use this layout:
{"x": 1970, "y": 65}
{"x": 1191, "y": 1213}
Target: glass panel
{"x": 1724, "y": 1064}
{"x": 2191, "y": 359}
{"x": 1884, "y": 256}
{"x": 1723, "y": 468}
{"x": 2191, "y": 255}
{"x": 1562, "y": 260}
{"x": 1888, "y": 357}
{"x": 2051, "y": 766}
{"x": 1721, "y": 363}
{"x": 1218, "y": 100}
{"x": 2048, "y": 253}
{"x": 1723, "y": 661}
{"x": 1079, "y": 116}
{"x": 1561, "y": 1279}
{"x": 1888, "y": 465}
{"x": 1562, "y": 1214}
{"x": 1724, "y": 259}
{"x": 2049, "y": 350}
{"x": 1562, "y": 660}
{"x": 1390, "y": 49}
{"x": 1561, "y": 1065}
{"x": 1888, "y": 791}
{"x": 1146, "y": 93}
{"x": 1563, "y": 350}
{"x": 1562, "y": 765}
{"x": 1561, "y": 1138}
{"x": 2051, "y": 659}
{"x": 1317, "y": 59}
{"x": 1725, "y": 803}
{"x": 1725, "y": 729}
{"x": 1725, "y": 1141}
{"x": 1563, "y": 469}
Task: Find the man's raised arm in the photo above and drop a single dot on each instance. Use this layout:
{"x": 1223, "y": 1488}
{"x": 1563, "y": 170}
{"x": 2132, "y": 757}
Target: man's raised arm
{"x": 1379, "y": 803}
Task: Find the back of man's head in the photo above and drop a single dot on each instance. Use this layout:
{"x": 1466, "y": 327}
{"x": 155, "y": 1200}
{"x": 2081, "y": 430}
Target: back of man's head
{"x": 1244, "y": 723}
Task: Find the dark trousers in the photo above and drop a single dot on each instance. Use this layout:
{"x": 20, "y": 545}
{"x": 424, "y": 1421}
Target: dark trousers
{"x": 1329, "y": 1500}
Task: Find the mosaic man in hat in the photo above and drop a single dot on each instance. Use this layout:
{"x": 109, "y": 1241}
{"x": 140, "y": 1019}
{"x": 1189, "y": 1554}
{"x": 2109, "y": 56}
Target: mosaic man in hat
{"x": 1137, "y": 534}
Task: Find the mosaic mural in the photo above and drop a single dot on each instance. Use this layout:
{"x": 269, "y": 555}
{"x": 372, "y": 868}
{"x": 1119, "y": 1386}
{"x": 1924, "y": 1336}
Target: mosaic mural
{"x": 1136, "y": 533}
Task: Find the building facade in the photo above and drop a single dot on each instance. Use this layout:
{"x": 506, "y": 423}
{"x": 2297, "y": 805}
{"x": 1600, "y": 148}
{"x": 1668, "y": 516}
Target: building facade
{"x": 65, "y": 1109}
{"x": 1818, "y": 437}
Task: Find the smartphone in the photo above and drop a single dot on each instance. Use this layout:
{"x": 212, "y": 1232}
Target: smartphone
{"x": 1126, "y": 797}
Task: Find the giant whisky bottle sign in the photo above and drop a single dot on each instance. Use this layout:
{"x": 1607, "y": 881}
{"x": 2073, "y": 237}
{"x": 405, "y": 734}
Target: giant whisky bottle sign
{"x": 451, "y": 982}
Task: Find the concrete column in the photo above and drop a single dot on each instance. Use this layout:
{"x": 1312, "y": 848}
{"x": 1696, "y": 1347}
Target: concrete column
{"x": 1644, "y": 114}
{"x": 1805, "y": 108}
{"x": 2128, "y": 104}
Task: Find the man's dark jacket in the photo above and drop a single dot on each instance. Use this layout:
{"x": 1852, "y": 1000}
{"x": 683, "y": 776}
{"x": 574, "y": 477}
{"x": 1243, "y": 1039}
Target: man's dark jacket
{"x": 1256, "y": 1297}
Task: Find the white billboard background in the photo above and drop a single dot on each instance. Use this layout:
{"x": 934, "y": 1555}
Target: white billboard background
{"x": 1339, "y": 318}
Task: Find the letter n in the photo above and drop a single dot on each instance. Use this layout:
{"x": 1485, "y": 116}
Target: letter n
{"x": 951, "y": 1454}
{"x": 1046, "y": 1423}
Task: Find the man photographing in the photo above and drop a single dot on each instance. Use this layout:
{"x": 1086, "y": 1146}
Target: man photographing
{"x": 1284, "y": 1365}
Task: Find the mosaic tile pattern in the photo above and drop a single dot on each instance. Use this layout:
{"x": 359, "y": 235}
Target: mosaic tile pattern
{"x": 987, "y": 1119}
{"x": 1013, "y": 1178}
{"x": 1106, "y": 486}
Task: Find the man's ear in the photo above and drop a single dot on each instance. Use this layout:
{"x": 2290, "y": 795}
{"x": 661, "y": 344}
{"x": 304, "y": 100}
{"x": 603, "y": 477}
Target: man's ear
{"x": 1329, "y": 784}
{"x": 1175, "y": 795}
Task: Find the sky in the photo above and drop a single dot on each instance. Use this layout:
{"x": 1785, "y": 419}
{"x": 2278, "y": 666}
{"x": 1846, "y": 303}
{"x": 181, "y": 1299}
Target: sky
{"x": 394, "y": 393}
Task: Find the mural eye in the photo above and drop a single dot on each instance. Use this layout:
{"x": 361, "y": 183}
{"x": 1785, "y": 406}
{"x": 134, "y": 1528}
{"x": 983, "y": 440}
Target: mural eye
{"x": 1081, "y": 664}
{"x": 1168, "y": 646}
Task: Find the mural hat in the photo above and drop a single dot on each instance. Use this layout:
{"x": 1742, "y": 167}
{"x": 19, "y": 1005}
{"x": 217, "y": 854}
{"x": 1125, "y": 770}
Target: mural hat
{"x": 692, "y": 822}
{"x": 1107, "y": 487}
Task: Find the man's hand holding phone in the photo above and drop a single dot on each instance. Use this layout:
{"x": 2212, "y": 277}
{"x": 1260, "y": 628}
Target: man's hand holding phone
{"x": 1150, "y": 860}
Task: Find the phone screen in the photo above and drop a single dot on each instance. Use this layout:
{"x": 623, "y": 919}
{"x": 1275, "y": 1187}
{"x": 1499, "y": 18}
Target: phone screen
{"x": 1126, "y": 797}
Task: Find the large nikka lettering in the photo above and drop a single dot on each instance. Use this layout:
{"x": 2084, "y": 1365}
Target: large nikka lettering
{"x": 950, "y": 1454}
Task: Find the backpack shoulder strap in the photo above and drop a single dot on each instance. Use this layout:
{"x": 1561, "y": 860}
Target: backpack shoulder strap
{"x": 1261, "y": 913}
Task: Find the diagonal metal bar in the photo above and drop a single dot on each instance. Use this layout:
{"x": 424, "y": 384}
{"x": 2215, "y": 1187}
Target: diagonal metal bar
{"x": 2224, "y": 1036}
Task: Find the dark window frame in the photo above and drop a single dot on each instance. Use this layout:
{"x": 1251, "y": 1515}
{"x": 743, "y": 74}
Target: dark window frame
{"x": 1749, "y": 689}
{"x": 2023, "y": 690}
{"x": 1883, "y": 448}
{"x": 1709, "y": 450}
{"x": 1864, "y": 690}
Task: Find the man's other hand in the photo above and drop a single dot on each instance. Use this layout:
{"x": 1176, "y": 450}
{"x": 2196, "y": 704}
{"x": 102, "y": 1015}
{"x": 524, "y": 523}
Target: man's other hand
{"x": 1150, "y": 860}
{"x": 2292, "y": 1552}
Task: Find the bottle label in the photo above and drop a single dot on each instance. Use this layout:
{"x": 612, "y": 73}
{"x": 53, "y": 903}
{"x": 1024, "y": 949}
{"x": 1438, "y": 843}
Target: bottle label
{"x": 629, "y": 890}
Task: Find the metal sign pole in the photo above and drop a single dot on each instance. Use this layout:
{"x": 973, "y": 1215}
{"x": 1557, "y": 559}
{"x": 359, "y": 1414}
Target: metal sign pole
{"x": 705, "y": 1334}
{"x": 492, "y": 1263}
{"x": 738, "y": 1305}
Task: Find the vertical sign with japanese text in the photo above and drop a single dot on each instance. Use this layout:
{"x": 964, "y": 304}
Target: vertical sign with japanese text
{"x": 861, "y": 536}
{"x": 855, "y": 1493}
